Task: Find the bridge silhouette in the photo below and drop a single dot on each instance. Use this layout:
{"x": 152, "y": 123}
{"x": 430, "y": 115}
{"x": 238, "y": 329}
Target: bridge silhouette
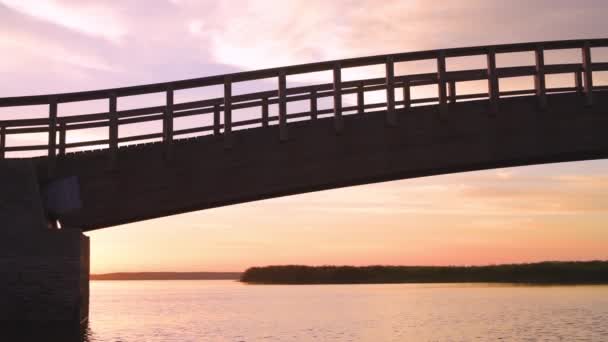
{"x": 316, "y": 149}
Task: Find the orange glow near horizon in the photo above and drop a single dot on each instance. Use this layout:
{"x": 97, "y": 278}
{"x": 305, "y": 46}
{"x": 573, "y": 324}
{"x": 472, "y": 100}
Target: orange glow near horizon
{"x": 496, "y": 216}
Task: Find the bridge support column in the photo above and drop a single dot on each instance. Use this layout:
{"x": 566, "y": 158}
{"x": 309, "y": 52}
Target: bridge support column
{"x": 44, "y": 273}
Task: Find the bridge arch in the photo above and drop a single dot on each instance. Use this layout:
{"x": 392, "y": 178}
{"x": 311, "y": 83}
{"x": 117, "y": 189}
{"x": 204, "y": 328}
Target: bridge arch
{"x": 279, "y": 154}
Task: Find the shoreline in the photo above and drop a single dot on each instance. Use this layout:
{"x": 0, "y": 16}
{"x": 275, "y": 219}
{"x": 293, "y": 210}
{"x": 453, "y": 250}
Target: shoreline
{"x": 551, "y": 272}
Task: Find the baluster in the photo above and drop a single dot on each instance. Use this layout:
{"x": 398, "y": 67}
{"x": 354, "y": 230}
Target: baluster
{"x": 313, "y": 104}
{"x": 168, "y": 123}
{"x": 113, "y": 130}
{"x": 452, "y": 91}
{"x": 228, "y": 111}
{"x": 2, "y": 141}
{"x": 587, "y": 69}
{"x": 407, "y": 96}
{"x": 578, "y": 82}
{"x": 493, "y": 87}
{"x": 338, "y": 123}
{"x": 216, "y": 119}
{"x": 264, "y": 112}
{"x": 441, "y": 84}
{"x": 62, "y": 133}
{"x": 539, "y": 78}
{"x": 391, "y": 118}
{"x": 361, "y": 98}
{"x": 283, "y": 105}
{"x": 52, "y": 135}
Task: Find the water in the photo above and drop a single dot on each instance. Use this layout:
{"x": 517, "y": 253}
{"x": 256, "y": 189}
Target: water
{"x": 230, "y": 311}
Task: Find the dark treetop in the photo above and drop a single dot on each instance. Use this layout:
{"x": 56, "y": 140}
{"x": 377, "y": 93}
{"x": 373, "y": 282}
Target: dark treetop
{"x": 543, "y": 272}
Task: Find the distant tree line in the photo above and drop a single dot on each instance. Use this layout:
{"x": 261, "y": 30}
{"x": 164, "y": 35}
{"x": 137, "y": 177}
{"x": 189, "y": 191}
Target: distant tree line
{"x": 587, "y": 272}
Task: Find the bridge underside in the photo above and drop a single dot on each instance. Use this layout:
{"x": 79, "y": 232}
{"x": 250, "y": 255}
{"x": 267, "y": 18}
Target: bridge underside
{"x": 203, "y": 174}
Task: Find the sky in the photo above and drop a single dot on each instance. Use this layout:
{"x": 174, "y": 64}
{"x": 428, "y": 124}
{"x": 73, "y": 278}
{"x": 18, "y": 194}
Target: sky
{"x": 543, "y": 212}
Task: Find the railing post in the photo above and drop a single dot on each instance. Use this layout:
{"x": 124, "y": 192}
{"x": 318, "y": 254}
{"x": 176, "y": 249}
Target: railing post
{"x": 360, "y": 98}
{"x": 2, "y": 141}
{"x": 62, "y": 133}
{"x": 578, "y": 82}
{"x": 539, "y": 78}
{"x": 113, "y": 127}
{"x": 441, "y": 84}
{"x": 391, "y": 118}
{"x": 52, "y": 135}
{"x": 407, "y": 96}
{"x": 313, "y": 105}
{"x": 283, "y": 105}
{"x": 452, "y": 91}
{"x": 264, "y": 112}
{"x": 168, "y": 123}
{"x": 338, "y": 123}
{"x": 216, "y": 120}
{"x": 587, "y": 69}
{"x": 228, "y": 111}
{"x": 493, "y": 87}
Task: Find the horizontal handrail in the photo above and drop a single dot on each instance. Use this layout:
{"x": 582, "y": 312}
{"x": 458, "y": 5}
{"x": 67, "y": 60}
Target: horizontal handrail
{"x": 444, "y": 79}
{"x": 292, "y": 70}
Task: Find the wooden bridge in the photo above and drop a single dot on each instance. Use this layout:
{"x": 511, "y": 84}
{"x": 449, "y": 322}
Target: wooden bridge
{"x": 286, "y": 154}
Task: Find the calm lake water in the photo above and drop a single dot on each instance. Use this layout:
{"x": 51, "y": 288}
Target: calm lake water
{"x": 230, "y": 311}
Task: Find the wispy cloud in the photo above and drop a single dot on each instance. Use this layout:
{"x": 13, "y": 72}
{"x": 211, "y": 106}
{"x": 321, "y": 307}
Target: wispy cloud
{"x": 21, "y": 44}
{"x": 90, "y": 18}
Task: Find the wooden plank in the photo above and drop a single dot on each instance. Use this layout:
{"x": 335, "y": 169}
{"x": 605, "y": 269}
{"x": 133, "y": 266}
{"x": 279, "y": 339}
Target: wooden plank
{"x": 565, "y": 68}
{"x": 441, "y": 84}
{"x": 282, "y": 105}
{"x": 391, "y": 117}
{"x": 26, "y": 130}
{"x": 25, "y": 122}
{"x": 51, "y": 151}
{"x": 578, "y": 82}
{"x": 113, "y": 129}
{"x": 407, "y": 96}
{"x": 140, "y": 137}
{"x": 195, "y": 130}
{"x": 168, "y": 123}
{"x": 452, "y": 91}
{"x": 87, "y": 143}
{"x": 337, "y": 90}
{"x": 313, "y": 105}
{"x": 2, "y": 141}
{"x": 602, "y": 66}
{"x": 216, "y": 120}
{"x": 588, "y": 71}
{"x": 227, "y": 112}
{"x": 539, "y": 77}
{"x": 528, "y": 70}
{"x": 264, "y": 112}
{"x": 360, "y": 98}
{"x": 62, "y": 133}
{"x": 493, "y": 85}
{"x": 28, "y": 148}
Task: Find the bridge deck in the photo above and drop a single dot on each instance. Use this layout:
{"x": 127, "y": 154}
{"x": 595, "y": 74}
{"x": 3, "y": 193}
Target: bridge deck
{"x": 203, "y": 174}
{"x": 278, "y": 155}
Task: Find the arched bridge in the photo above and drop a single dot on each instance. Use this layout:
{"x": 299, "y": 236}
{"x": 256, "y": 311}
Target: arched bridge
{"x": 352, "y": 142}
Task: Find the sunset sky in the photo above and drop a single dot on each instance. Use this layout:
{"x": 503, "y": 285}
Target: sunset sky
{"x": 544, "y": 212}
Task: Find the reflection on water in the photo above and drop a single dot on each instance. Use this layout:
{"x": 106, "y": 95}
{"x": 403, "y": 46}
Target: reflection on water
{"x": 35, "y": 332}
{"x": 230, "y": 311}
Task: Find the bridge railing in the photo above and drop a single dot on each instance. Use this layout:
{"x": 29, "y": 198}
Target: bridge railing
{"x": 446, "y": 81}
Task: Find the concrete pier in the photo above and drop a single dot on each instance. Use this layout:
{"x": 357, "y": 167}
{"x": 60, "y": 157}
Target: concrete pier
{"x": 43, "y": 271}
